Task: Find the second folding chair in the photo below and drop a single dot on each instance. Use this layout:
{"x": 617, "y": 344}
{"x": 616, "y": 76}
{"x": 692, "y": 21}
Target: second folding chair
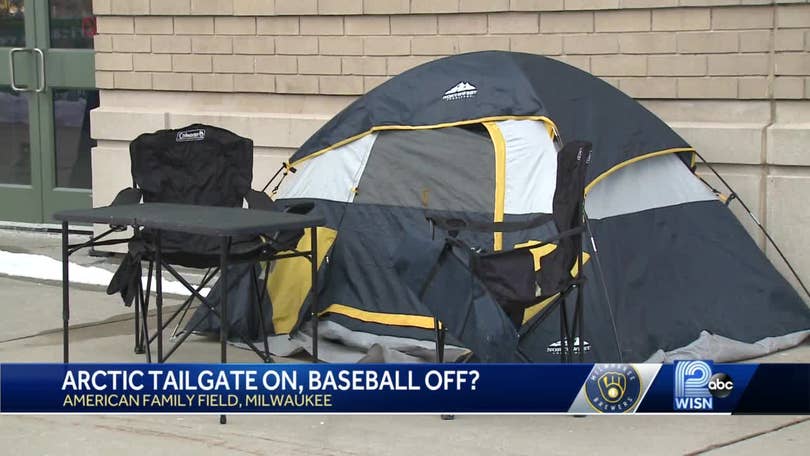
{"x": 502, "y": 295}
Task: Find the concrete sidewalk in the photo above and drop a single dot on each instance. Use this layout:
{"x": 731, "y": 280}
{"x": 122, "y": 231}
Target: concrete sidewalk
{"x": 102, "y": 330}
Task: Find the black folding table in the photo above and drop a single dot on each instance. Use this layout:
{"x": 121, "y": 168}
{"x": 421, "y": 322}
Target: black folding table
{"x": 222, "y": 222}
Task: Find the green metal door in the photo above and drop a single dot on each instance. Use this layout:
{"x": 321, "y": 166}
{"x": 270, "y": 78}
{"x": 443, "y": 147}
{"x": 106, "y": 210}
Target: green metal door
{"x": 47, "y": 89}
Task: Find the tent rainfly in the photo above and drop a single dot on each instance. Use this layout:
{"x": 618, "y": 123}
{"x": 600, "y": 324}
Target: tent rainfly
{"x": 475, "y": 136}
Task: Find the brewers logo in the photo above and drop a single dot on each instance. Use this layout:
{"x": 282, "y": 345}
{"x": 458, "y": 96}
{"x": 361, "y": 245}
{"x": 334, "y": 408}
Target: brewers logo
{"x": 613, "y": 388}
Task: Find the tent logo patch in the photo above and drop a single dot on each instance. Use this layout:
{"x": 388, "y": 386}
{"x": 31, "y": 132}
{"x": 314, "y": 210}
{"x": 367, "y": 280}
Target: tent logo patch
{"x": 556, "y": 347}
{"x": 460, "y": 91}
{"x": 613, "y": 388}
{"x": 191, "y": 135}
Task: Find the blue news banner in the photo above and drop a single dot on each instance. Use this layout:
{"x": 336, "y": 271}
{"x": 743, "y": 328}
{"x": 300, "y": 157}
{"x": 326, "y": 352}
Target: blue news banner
{"x": 683, "y": 387}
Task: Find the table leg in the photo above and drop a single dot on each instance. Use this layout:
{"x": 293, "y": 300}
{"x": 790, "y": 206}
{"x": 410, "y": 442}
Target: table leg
{"x": 262, "y": 294}
{"x": 223, "y": 300}
{"x": 65, "y": 293}
{"x": 313, "y": 258}
{"x": 159, "y": 294}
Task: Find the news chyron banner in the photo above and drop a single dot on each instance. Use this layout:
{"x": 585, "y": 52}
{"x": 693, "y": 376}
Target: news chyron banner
{"x": 684, "y": 387}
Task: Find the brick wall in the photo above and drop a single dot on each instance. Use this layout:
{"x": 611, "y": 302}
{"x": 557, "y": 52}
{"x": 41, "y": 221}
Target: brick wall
{"x": 647, "y": 48}
{"x": 732, "y": 76}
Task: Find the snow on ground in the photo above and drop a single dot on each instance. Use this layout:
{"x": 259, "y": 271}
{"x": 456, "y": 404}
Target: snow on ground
{"x": 43, "y": 267}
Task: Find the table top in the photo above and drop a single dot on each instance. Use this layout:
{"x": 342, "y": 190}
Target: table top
{"x": 207, "y": 220}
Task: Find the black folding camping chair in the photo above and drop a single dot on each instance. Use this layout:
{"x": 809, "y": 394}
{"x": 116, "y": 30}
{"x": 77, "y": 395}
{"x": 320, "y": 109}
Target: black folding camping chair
{"x": 485, "y": 307}
{"x": 199, "y": 165}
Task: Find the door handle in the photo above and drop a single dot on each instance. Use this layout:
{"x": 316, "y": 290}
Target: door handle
{"x": 14, "y": 86}
{"x": 41, "y": 69}
{"x": 41, "y": 86}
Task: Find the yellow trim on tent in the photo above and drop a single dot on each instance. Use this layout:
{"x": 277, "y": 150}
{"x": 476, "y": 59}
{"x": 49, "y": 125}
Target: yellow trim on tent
{"x": 552, "y": 132}
{"x": 421, "y": 321}
{"x": 416, "y": 321}
{"x": 500, "y": 179}
{"x": 635, "y": 160}
{"x": 545, "y": 119}
{"x": 290, "y": 280}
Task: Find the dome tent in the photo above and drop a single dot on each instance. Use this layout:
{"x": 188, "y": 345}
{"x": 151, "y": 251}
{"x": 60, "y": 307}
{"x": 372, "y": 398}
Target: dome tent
{"x": 475, "y": 136}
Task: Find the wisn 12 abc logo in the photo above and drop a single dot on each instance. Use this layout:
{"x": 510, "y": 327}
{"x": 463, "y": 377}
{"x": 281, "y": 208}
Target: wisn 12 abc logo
{"x": 696, "y": 386}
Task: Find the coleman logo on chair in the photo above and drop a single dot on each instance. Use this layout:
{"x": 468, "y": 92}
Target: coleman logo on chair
{"x": 461, "y": 90}
{"x": 191, "y": 135}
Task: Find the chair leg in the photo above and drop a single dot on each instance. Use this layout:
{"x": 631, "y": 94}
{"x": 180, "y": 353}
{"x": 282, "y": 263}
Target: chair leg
{"x": 211, "y": 308}
{"x": 182, "y": 311}
{"x": 579, "y": 334}
{"x": 441, "y": 333}
{"x": 563, "y": 337}
{"x": 144, "y": 302}
{"x": 184, "y": 308}
{"x": 260, "y": 300}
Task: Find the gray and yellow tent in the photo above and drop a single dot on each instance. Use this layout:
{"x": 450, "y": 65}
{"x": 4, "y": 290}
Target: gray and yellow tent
{"x": 475, "y": 136}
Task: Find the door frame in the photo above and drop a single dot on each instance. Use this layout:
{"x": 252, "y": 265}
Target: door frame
{"x": 23, "y": 202}
{"x": 64, "y": 69}
{"x": 60, "y": 68}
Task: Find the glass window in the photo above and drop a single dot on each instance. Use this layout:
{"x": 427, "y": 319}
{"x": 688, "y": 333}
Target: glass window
{"x": 12, "y": 23}
{"x": 73, "y": 25}
{"x": 15, "y": 148}
{"x": 72, "y": 142}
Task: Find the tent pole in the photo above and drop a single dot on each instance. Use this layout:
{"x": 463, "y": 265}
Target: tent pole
{"x": 579, "y": 319}
{"x": 759, "y": 225}
{"x": 604, "y": 287}
{"x": 272, "y": 178}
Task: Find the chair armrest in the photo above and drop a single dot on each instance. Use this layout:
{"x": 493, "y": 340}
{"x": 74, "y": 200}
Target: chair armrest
{"x": 260, "y": 201}
{"x": 127, "y": 196}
